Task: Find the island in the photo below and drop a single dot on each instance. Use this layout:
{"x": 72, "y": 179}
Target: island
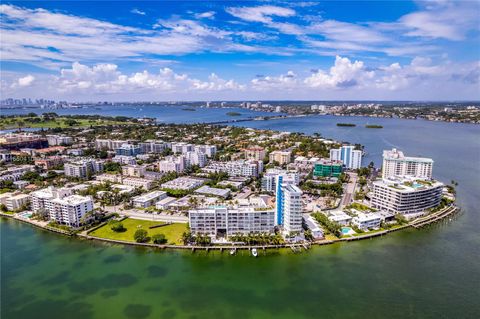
{"x": 373, "y": 126}
{"x": 346, "y": 124}
{"x": 233, "y": 114}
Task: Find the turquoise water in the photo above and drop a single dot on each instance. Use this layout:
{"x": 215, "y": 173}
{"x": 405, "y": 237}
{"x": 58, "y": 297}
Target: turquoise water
{"x": 346, "y": 230}
{"x": 429, "y": 273}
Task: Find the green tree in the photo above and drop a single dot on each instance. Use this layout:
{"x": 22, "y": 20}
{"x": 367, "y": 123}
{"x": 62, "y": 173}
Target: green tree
{"x": 117, "y": 227}
{"x": 159, "y": 239}
{"x": 141, "y": 236}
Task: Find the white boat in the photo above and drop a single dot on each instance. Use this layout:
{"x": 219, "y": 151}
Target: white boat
{"x": 254, "y": 252}
{"x": 232, "y": 251}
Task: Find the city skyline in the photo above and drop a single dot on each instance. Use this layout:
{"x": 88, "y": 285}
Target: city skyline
{"x": 268, "y": 50}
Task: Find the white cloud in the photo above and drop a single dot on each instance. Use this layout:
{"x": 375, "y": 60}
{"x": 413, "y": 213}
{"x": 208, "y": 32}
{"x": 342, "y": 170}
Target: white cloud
{"x": 205, "y": 15}
{"x": 261, "y": 13}
{"x": 24, "y": 81}
{"x": 343, "y": 74}
{"x": 137, "y": 11}
{"x": 286, "y": 81}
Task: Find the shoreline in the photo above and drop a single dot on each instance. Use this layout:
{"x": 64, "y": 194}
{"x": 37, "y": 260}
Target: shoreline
{"x": 415, "y": 224}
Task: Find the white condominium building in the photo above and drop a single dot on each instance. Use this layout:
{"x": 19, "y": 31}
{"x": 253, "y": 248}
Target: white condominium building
{"x": 281, "y": 157}
{"x": 291, "y": 209}
{"x": 196, "y": 158}
{"x": 59, "y": 140}
{"x": 14, "y": 201}
{"x": 237, "y": 168}
{"x": 406, "y": 195}
{"x": 134, "y": 170}
{"x": 269, "y": 179}
{"x": 181, "y": 147}
{"x": 255, "y": 153}
{"x": 351, "y": 158}
{"x": 61, "y": 205}
{"x": 209, "y": 150}
{"x": 83, "y": 168}
{"x": 226, "y": 221}
{"x": 367, "y": 221}
{"x": 153, "y": 146}
{"x": 172, "y": 164}
{"x": 138, "y": 182}
{"x": 395, "y": 163}
{"x": 108, "y": 144}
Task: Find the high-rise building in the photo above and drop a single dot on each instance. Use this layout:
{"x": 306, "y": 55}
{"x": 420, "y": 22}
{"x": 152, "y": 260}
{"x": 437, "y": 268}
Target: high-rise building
{"x": 351, "y": 158}
{"x": 396, "y": 164}
{"x": 128, "y": 150}
{"x": 269, "y": 179}
{"x": 288, "y": 203}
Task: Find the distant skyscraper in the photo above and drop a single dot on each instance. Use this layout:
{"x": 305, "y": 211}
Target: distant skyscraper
{"x": 350, "y": 157}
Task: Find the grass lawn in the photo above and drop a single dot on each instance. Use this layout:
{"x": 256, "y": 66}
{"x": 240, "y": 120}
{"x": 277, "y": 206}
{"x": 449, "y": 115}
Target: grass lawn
{"x": 172, "y": 232}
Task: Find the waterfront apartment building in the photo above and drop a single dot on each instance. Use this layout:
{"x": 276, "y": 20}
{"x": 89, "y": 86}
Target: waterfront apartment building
{"x": 351, "y": 158}
{"x": 280, "y": 157}
{"x": 291, "y": 208}
{"x": 328, "y": 168}
{"x": 61, "y": 206}
{"x": 367, "y": 221}
{"x": 396, "y": 164}
{"x": 406, "y": 195}
{"x": 83, "y": 168}
{"x": 226, "y": 221}
{"x": 255, "y": 153}
{"x": 14, "y": 201}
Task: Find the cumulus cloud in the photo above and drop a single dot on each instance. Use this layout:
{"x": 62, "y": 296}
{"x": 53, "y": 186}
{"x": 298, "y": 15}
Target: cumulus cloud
{"x": 343, "y": 74}
{"x": 24, "y": 81}
{"x": 286, "y": 81}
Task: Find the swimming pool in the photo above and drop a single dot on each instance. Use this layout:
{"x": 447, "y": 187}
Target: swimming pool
{"x": 346, "y": 230}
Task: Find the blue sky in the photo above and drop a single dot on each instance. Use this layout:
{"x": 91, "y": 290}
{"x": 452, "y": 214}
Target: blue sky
{"x": 236, "y": 50}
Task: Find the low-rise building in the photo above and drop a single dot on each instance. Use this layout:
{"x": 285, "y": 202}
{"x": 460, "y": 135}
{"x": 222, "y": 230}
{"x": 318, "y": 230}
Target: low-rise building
{"x": 14, "y": 201}
{"x": 125, "y": 160}
{"x": 15, "y": 173}
{"x": 146, "y": 184}
{"x": 49, "y": 162}
{"x": 236, "y": 168}
{"x": 317, "y": 231}
{"x": 165, "y": 202}
{"x": 339, "y": 217}
{"x": 183, "y": 183}
{"x": 148, "y": 199}
{"x": 218, "y": 192}
{"x": 366, "y": 221}
{"x": 112, "y": 178}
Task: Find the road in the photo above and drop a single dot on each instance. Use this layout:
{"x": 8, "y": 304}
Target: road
{"x": 349, "y": 190}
